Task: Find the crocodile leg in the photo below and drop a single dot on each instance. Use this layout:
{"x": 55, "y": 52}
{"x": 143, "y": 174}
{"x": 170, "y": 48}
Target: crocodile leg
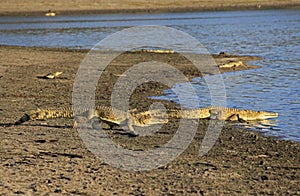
{"x": 233, "y": 117}
{"x": 241, "y": 120}
{"x": 236, "y": 118}
{"x": 127, "y": 125}
{"x": 75, "y": 125}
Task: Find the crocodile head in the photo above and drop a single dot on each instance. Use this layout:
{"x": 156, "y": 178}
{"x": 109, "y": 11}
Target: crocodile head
{"x": 266, "y": 115}
{"x": 260, "y": 115}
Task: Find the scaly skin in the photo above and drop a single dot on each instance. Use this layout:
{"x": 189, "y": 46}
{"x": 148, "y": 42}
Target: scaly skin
{"x": 120, "y": 118}
{"x": 222, "y": 113}
{"x": 233, "y": 114}
{"x": 103, "y": 113}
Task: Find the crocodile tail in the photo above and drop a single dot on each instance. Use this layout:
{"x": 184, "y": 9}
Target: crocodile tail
{"x": 51, "y": 113}
{"x": 46, "y": 114}
{"x": 24, "y": 118}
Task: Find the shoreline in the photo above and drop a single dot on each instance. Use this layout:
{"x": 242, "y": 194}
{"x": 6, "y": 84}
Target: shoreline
{"x": 147, "y": 9}
{"x": 48, "y": 157}
{"x": 222, "y": 58}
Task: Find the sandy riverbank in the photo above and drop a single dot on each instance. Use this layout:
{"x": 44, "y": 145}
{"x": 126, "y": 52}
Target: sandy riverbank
{"x": 31, "y": 7}
{"x": 50, "y": 157}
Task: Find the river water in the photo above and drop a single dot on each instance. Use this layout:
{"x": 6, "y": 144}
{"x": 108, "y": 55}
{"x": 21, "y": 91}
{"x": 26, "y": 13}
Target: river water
{"x": 273, "y": 35}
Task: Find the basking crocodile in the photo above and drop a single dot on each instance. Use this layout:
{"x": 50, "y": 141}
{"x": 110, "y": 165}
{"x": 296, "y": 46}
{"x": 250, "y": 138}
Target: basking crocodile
{"x": 232, "y": 64}
{"x": 162, "y": 51}
{"x": 113, "y": 117}
{"x": 51, "y": 75}
{"x": 50, "y": 13}
{"x": 105, "y": 114}
{"x": 222, "y": 113}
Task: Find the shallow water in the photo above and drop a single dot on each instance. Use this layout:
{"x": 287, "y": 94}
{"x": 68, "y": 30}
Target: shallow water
{"x": 274, "y": 35}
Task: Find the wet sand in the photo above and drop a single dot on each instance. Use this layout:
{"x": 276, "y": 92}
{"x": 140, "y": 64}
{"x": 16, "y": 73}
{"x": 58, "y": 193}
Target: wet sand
{"x": 19, "y": 7}
{"x": 49, "y": 157}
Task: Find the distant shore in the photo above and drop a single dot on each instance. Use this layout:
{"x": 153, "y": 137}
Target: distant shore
{"x": 68, "y": 7}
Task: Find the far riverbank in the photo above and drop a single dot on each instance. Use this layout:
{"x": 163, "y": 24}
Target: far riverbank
{"x": 79, "y": 7}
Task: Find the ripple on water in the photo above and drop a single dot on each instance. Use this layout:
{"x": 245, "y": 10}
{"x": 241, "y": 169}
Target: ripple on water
{"x": 271, "y": 34}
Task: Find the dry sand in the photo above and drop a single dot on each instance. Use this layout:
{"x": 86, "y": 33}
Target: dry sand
{"x": 49, "y": 158}
{"x": 21, "y": 7}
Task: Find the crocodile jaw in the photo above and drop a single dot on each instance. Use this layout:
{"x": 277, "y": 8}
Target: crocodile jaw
{"x": 267, "y": 115}
{"x": 261, "y": 115}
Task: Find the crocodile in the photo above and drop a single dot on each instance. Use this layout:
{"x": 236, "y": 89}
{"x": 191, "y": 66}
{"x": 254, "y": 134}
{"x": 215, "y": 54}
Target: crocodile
{"x": 161, "y": 51}
{"x": 222, "y": 113}
{"x": 127, "y": 120}
{"x": 51, "y": 75}
{"x": 50, "y": 13}
{"x": 106, "y": 114}
{"x": 232, "y": 64}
